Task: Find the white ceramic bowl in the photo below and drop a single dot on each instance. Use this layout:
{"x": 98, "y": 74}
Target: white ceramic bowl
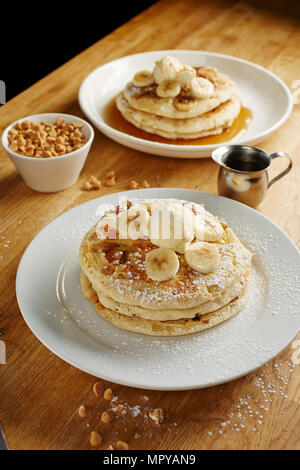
{"x": 48, "y": 175}
{"x": 260, "y": 90}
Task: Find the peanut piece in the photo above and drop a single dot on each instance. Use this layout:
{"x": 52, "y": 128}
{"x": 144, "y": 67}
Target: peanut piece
{"x": 95, "y": 439}
{"x": 106, "y": 417}
{"x": 121, "y": 445}
{"x": 108, "y": 394}
{"x": 157, "y": 415}
{"x": 98, "y": 389}
{"x": 82, "y": 411}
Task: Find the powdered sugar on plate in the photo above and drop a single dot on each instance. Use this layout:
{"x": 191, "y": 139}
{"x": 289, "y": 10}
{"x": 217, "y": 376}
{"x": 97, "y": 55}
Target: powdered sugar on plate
{"x": 70, "y": 327}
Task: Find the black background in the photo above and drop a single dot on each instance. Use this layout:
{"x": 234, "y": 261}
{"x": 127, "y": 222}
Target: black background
{"x": 38, "y": 37}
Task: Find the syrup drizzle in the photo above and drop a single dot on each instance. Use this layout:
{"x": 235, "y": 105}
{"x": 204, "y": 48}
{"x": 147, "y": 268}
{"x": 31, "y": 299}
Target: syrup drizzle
{"x": 114, "y": 118}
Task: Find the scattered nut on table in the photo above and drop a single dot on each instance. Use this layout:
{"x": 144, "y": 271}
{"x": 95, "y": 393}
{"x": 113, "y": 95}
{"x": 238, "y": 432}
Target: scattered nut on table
{"x": 98, "y": 389}
{"x": 106, "y": 417}
{"x": 121, "y": 445}
{"x": 108, "y": 394}
{"x": 82, "y": 411}
{"x": 92, "y": 183}
{"x": 157, "y": 415}
{"x": 95, "y": 439}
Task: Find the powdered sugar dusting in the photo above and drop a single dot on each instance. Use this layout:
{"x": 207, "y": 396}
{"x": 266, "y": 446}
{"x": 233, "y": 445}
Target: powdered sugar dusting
{"x": 262, "y": 329}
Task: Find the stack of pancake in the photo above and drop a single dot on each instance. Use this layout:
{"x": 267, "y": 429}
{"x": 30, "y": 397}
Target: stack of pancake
{"x": 178, "y": 101}
{"x": 164, "y": 286}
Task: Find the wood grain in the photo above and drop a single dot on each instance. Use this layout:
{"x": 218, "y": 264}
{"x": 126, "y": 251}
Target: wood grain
{"x": 39, "y": 393}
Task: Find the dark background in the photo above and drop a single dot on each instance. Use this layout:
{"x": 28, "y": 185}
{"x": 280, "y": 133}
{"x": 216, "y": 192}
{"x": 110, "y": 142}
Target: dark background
{"x": 36, "y": 38}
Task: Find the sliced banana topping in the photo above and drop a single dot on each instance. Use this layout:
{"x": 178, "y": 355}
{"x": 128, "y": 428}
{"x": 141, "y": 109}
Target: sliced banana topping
{"x": 134, "y": 222}
{"x": 207, "y": 227}
{"x": 201, "y": 88}
{"x": 186, "y": 76}
{"x": 166, "y": 69}
{"x": 161, "y": 264}
{"x": 202, "y": 256}
{"x": 168, "y": 89}
{"x": 184, "y": 103}
{"x": 143, "y": 78}
{"x": 172, "y": 226}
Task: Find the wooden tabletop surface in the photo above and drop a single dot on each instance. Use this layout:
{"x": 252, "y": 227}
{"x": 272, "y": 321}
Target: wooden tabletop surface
{"x": 40, "y": 393}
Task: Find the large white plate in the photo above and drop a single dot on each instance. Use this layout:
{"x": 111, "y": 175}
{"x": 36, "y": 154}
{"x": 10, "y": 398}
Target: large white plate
{"x": 260, "y": 90}
{"x": 53, "y": 306}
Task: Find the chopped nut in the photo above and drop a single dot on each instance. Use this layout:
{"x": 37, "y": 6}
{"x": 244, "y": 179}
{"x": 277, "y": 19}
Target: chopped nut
{"x": 87, "y": 186}
{"x": 133, "y": 185}
{"x": 110, "y": 174}
{"x": 110, "y": 447}
{"x": 121, "y": 445}
{"x": 93, "y": 179}
{"x": 120, "y": 410}
{"x": 98, "y": 389}
{"x": 97, "y": 185}
{"x": 106, "y": 417}
{"x": 157, "y": 415}
{"x": 146, "y": 184}
{"x": 82, "y": 411}
{"x": 54, "y": 138}
{"x": 108, "y": 394}
{"x": 95, "y": 439}
{"x": 110, "y": 182}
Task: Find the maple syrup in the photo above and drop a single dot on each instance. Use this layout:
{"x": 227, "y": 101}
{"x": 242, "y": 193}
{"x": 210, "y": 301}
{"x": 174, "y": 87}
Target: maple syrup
{"x": 114, "y": 118}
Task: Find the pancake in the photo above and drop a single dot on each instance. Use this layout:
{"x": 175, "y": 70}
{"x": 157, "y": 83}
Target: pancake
{"x": 116, "y": 278}
{"x": 127, "y": 282}
{"x": 231, "y": 293}
{"x": 145, "y": 98}
{"x": 167, "y": 328}
{"x": 210, "y": 123}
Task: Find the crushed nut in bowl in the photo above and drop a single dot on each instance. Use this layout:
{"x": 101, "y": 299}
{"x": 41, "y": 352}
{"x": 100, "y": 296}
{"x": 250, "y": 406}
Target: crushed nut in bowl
{"x": 49, "y": 150}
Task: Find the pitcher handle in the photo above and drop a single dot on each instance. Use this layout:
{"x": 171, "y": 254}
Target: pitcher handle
{"x": 284, "y": 172}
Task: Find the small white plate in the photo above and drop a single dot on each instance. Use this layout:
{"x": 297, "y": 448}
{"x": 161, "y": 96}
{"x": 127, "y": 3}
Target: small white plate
{"x": 51, "y": 302}
{"x": 260, "y": 90}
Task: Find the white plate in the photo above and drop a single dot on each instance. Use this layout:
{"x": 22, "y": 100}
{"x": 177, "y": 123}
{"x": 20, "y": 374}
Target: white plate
{"x": 260, "y": 90}
{"x": 53, "y": 306}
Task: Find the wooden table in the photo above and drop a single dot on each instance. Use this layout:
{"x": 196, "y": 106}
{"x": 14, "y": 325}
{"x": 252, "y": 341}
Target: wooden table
{"x": 40, "y": 393}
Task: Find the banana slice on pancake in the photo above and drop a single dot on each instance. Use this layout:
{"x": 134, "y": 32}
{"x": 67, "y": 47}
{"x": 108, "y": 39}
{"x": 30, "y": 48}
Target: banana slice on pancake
{"x": 186, "y": 75}
{"x": 168, "y": 89}
{"x": 202, "y": 257}
{"x": 207, "y": 227}
{"x": 201, "y": 88}
{"x": 161, "y": 264}
{"x": 172, "y": 226}
{"x": 143, "y": 78}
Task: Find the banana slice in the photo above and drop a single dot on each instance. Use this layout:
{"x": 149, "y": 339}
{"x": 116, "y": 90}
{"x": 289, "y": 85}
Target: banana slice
{"x": 143, "y": 78}
{"x": 106, "y": 228}
{"x": 207, "y": 227}
{"x": 166, "y": 69}
{"x": 184, "y": 103}
{"x": 172, "y": 226}
{"x": 138, "y": 217}
{"x": 202, "y": 256}
{"x": 161, "y": 264}
{"x": 186, "y": 76}
{"x": 168, "y": 89}
{"x": 133, "y": 223}
{"x": 201, "y": 88}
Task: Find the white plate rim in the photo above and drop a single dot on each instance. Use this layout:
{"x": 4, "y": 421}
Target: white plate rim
{"x": 141, "y": 385}
{"x": 136, "y": 141}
